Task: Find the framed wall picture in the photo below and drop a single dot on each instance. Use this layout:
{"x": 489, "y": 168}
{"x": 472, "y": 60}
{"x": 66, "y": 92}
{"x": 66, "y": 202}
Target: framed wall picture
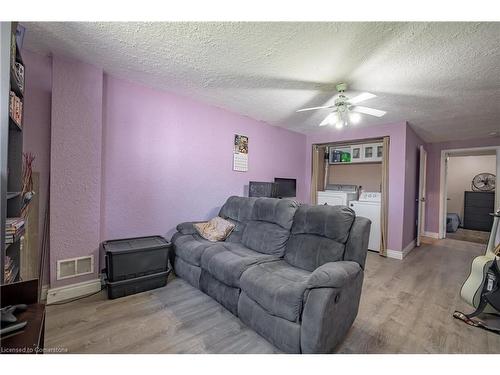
{"x": 240, "y": 153}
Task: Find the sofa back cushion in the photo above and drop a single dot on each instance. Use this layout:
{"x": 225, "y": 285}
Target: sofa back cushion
{"x": 237, "y": 210}
{"x": 319, "y": 235}
{"x": 269, "y": 228}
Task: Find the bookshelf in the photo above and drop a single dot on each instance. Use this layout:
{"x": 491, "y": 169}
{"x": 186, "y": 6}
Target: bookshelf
{"x": 12, "y": 111}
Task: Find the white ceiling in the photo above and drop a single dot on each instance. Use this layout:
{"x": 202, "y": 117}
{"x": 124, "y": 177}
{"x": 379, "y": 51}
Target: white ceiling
{"x": 444, "y": 78}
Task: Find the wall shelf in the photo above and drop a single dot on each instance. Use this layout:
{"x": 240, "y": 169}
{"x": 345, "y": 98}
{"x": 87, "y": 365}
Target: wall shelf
{"x": 13, "y": 194}
{"x": 356, "y": 162}
{"x": 12, "y": 140}
{"x": 14, "y": 86}
{"x": 14, "y": 125}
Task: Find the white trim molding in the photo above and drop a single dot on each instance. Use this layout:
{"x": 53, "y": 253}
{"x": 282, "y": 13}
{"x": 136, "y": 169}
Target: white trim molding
{"x": 71, "y": 291}
{"x": 442, "y": 181}
{"x": 395, "y": 254}
{"x": 401, "y": 254}
{"x": 44, "y": 291}
{"x": 431, "y": 235}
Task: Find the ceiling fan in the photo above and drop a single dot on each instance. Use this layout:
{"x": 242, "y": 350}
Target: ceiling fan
{"x": 346, "y": 110}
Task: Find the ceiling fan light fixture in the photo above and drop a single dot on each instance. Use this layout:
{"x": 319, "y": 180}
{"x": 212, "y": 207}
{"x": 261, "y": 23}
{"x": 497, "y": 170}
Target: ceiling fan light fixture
{"x": 339, "y": 125}
{"x": 354, "y": 118}
{"x": 331, "y": 119}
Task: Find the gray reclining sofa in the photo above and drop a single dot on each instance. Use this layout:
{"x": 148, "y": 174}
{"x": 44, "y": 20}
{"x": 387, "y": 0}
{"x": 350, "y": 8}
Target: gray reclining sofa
{"x": 292, "y": 273}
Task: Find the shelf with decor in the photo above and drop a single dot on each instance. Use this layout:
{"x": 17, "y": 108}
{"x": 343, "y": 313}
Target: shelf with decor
{"x": 362, "y": 153}
{"x": 12, "y": 160}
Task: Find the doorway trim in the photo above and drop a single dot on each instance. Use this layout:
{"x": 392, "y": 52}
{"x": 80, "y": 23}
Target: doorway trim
{"x": 443, "y": 182}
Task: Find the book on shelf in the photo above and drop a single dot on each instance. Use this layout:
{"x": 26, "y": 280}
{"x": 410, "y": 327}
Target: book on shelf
{"x": 14, "y": 222}
{"x": 10, "y": 270}
{"x": 14, "y": 228}
{"x": 16, "y": 108}
{"x": 19, "y": 76}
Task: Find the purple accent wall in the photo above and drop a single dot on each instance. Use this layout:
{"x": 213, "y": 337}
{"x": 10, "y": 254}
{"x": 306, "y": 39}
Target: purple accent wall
{"x": 75, "y": 182}
{"x": 434, "y": 174}
{"x": 168, "y": 159}
{"x": 412, "y": 166}
{"x": 397, "y": 164}
{"x": 36, "y": 127}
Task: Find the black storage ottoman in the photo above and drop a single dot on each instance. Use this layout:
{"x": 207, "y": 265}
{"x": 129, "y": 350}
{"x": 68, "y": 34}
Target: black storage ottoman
{"x": 135, "y": 265}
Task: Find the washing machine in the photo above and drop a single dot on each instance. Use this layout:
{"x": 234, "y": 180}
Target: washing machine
{"x": 337, "y": 195}
{"x": 368, "y": 205}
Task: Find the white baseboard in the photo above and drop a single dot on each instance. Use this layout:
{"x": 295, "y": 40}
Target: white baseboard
{"x": 71, "y": 291}
{"x": 395, "y": 254}
{"x": 44, "y": 291}
{"x": 431, "y": 235}
{"x": 409, "y": 247}
{"x": 400, "y": 254}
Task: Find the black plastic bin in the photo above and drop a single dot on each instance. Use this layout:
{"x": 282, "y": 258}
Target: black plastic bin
{"x": 135, "y": 265}
{"x": 127, "y": 287}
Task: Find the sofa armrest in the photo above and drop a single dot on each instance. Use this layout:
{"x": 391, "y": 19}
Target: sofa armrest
{"x": 331, "y": 306}
{"x": 333, "y": 274}
{"x": 356, "y": 246}
{"x": 187, "y": 227}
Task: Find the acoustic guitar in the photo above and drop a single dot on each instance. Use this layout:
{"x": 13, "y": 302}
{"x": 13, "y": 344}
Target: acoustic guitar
{"x": 473, "y": 286}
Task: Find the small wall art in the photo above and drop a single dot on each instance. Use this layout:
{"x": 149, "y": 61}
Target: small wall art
{"x": 240, "y": 153}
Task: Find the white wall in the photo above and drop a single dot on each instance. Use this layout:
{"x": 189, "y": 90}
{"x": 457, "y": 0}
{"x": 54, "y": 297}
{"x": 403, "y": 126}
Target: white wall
{"x": 461, "y": 171}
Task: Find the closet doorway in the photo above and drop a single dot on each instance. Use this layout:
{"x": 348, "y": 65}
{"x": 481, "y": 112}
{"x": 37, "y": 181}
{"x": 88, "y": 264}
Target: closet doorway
{"x": 469, "y": 193}
{"x": 354, "y": 174}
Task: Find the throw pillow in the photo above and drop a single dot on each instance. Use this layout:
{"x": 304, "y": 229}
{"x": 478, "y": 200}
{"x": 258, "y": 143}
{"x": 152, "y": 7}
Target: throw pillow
{"x": 216, "y": 229}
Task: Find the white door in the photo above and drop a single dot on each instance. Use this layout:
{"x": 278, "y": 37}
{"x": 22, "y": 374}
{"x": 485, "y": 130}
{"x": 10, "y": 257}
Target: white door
{"x": 421, "y": 194}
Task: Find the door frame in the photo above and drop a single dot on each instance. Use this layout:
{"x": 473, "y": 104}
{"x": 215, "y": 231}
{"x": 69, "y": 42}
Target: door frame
{"x": 444, "y": 176}
{"x": 422, "y": 193}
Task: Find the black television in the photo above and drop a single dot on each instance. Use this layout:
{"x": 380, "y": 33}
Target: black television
{"x": 286, "y": 187}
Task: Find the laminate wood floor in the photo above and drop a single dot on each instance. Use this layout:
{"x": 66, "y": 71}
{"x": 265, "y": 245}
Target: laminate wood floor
{"x": 406, "y": 307}
{"x": 470, "y": 235}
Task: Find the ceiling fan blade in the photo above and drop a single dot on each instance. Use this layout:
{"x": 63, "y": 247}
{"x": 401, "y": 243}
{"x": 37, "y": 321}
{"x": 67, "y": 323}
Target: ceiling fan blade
{"x": 330, "y": 119}
{"x": 361, "y": 98}
{"x": 313, "y": 108}
{"x": 368, "y": 111}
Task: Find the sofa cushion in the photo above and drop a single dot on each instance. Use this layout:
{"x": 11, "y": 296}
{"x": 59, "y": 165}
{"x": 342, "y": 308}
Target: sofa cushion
{"x": 237, "y": 208}
{"x": 277, "y": 287}
{"x": 266, "y": 238}
{"x": 333, "y": 222}
{"x": 189, "y": 247}
{"x": 238, "y": 211}
{"x": 319, "y": 234}
{"x": 276, "y": 211}
{"x": 269, "y": 229}
{"x": 309, "y": 251}
{"x": 227, "y": 261}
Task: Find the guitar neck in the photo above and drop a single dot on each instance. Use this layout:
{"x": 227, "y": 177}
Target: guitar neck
{"x": 493, "y": 234}
{"x": 496, "y": 250}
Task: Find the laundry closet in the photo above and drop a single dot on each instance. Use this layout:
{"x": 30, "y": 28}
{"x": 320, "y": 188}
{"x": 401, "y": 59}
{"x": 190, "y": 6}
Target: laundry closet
{"x": 352, "y": 174}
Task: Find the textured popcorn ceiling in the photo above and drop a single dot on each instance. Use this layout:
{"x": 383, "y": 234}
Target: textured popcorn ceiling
{"x": 444, "y": 78}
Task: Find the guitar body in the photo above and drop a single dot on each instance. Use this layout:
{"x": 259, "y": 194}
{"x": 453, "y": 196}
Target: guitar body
{"x": 473, "y": 286}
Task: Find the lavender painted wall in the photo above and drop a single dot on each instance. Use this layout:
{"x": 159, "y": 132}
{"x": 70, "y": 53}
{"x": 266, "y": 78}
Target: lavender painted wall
{"x": 36, "y": 127}
{"x": 412, "y": 164}
{"x": 75, "y": 186}
{"x": 168, "y": 159}
{"x": 434, "y": 174}
{"x": 397, "y": 134}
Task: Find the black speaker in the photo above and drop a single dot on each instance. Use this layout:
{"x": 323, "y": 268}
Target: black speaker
{"x": 262, "y": 189}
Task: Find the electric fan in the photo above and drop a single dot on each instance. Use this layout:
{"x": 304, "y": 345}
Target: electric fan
{"x": 483, "y": 182}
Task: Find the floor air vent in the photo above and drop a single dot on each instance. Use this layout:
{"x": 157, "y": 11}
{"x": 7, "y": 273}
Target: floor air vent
{"x": 75, "y": 267}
